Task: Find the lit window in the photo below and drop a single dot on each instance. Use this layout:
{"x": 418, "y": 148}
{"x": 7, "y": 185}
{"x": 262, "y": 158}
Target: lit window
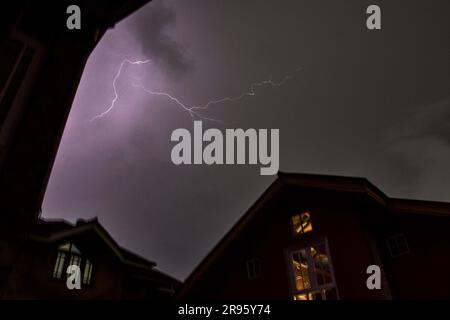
{"x": 253, "y": 268}
{"x": 301, "y": 272}
{"x": 397, "y": 245}
{"x": 312, "y": 273}
{"x": 59, "y": 265}
{"x": 75, "y": 260}
{"x": 87, "y": 272}
{"x": 69, "y": 247}
{"x": 67, "y": 250}
{"x": 325, "y": 294}
{"x": 301, "y": 223}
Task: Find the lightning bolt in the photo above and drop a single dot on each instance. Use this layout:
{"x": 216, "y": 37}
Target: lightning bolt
{"x": 250, "y": 93}
{"x": 116, "y": 96}
{"x": 194, "y": 111}
{"x": 189, "y": 109}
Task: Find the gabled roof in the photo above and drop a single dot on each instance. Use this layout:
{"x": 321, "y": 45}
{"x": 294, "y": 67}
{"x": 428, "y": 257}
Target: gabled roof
{"x": 322, "y": 182}
{"x": 53, "y": 231}
{"x": 333, "y": 183}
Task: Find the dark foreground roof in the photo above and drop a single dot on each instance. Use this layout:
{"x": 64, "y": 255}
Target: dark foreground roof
{"x": 50, "y": 231}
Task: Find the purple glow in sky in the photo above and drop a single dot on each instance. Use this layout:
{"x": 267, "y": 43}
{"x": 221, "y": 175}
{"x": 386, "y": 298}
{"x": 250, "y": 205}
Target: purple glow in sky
{"x": 372, "y": 105}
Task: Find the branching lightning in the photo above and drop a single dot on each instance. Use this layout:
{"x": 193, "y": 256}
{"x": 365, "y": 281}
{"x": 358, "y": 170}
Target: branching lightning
{"x": 194, "y": 111}
{"x": 190, "y": 110}
{"x": 249, "y": 93}
{"x": 116, "y": 96}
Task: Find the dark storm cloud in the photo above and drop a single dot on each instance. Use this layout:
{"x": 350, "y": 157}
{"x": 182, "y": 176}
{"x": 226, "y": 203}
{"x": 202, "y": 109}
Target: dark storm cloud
{"x": 151, "y": 27}
{"x": 371, "y": 104}
{"x": 422, "y": 140}
{"x": 431, "y": 120}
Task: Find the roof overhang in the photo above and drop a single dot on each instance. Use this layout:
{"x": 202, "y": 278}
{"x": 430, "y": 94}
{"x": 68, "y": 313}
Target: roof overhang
{"x": 101, "y": 233}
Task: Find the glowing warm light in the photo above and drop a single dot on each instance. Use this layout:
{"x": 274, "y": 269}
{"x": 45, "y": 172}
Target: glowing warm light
{"x": 301, "y": 223}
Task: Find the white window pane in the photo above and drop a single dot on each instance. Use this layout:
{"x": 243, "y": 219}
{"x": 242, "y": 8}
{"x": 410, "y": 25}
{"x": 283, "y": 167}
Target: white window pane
{"x": 87, "y": 272}
{"x": 59, "y": 265}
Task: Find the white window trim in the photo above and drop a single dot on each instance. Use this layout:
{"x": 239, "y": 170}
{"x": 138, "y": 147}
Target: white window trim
{"x": 314, "y": 286}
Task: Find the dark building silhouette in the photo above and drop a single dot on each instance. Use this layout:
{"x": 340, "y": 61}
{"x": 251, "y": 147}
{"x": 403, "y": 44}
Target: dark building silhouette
{"x": 313, "y": 237}
{"x": 107, "y": 271}
{"x": 41, "y": 63}
{"x": 307, "y": 237}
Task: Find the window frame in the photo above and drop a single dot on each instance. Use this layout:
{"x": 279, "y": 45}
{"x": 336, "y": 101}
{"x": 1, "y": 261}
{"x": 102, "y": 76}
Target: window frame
{"x": 251, "y": 265}
{"x": 69, "y": 256}
{"x": 90, "y": 272}
{"x": 311, "y": 270}
{"x": 58, "y": 266}
{"x": 292, "y": 226}
{"x": 394, "y": 238}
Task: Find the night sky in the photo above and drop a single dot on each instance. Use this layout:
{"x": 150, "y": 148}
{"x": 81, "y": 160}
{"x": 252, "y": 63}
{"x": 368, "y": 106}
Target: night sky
{"x": 364, "y": 103}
